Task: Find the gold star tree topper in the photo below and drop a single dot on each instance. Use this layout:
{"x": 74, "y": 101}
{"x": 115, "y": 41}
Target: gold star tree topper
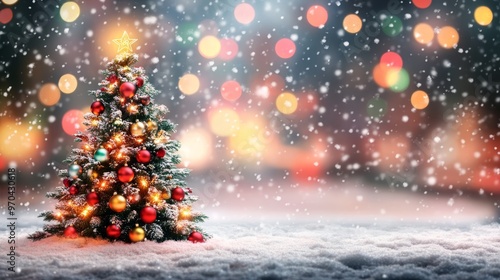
{"x": 124, "y": 43}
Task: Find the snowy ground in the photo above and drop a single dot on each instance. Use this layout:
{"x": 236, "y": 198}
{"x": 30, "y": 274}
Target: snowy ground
{"x": 278, "y": 239}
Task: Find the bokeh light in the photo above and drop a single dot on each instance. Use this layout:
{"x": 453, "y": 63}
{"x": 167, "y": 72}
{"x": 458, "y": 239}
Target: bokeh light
{"x": 6, "y": 15}
{"x": 228, "y": 49}
{"x": 376, "y": 108}
{"x": 196, "y": 148}
{"x": 189, "y": 84}
{"x": 231, "y": 90}
{"x": 72, "y": 122}
{"x": 419, "y": 99}
{"x": 422, "y": 4}
{"x": 68, "y": 83}
{"x": 285, "y": 48}
{"x": 448, "y": 37}
{"x": 286, "y": 103}
{"x": 250, "y": 139}
{"x": 69, "y": 11}
{"x": 402, "y": 80}
{"x": 19, "y": 141}
{"x": 352, "y": 23}
{"x": 49, "y": 94}
{"x": 209, "y": 46}
{"x": 385, "y": 76}
{"x": 483, "y": 15}
{"x": 244, "y": 13}
{"x": 9, "y": 2}
{"x": 392, "y": 26}
{"x": 224, "y": 121}
{"x": 423, "y": 33}
{"x": 392, "y": 59}
{"x": 317, "y": 16}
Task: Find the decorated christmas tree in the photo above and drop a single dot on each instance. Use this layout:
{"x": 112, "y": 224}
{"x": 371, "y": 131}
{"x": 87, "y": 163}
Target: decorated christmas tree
{"x": 123, "y": 181}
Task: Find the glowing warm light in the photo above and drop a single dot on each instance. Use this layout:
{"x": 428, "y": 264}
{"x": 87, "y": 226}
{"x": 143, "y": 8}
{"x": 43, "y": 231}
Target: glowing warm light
{"x": 19, "y": 141}
{"x": 423, "y": 33}
{"x": 9, "y": 2}
{"x": 286, "y": 103}
{"x": 224, "y": 121}
{"x": 67, "y": 83}
{"x": 402, "y": 80}
{"x": 230, "y": 90}
{"x": 244, "y": 13}
{"x": 124, "y": 43}
{"x": 391, "y": 59}
{"x": 483, "y": 15}
{"x": 86, "y": 211}
{"x": 251, "y": 139}
{"x": 352, "y": 23}
{"x": 422, "y": 4}
{"x": 185, "y": 212}
{"x": 49, "y": 94}
{"x": 118, "y": 138}
{"x": 155, "y": 197}
{"x": 72, "y": 122}
{"x": 189, "y": 84}
{"x": 228, "y": 49}
{"x": 384, "y": 75}
{"x": 448, "y": 37}
{"x": 285, "y": 48}
{"x": 196, "y": 151}
{"x": 103, "y": 184}
{"x": 143, "y": 182}
{"x": 69, "y": 11}
{"x": 6, "y": 15}
{"x": 419, "y": 99}
{"x": 133, "y": 108}
{"x": 209, "y": 46}
{"x": 317, "y": 16}
{"x": 94, "y": 122}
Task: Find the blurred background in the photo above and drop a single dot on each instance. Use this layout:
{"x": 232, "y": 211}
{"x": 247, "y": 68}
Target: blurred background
{"x": 271, "y": 97}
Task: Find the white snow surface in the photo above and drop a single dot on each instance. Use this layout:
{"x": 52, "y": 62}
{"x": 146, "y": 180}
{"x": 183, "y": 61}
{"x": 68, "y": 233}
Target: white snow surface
{"x": 339, "y": 236}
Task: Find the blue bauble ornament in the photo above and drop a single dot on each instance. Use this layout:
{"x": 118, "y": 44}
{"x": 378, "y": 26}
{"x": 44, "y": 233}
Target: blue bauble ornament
{"x": 74, "y": 170}
{"x": 101, "y": 154}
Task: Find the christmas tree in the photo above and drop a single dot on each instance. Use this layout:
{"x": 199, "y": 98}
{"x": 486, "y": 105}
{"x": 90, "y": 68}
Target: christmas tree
{"x": 123, "y": 182}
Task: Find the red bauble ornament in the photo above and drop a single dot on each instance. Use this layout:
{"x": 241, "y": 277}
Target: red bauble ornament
{"x": 92, "y": 198}
{"x": 148, "y": 214}
{"x": 127, "y": 90}
{"x": 97, "y": 108}
{"x": 70, "y": 232}
{"x": 73, "y": 190}
{"x": 145, "y": 100}
{"x": 66, "y": 182}
{"x": 189, "y": 190}
{"x": 139, "y": 81}
{"x": 143, "y": 156}
{"x": 196, "y": 237}
{"x": 113, "y": 231}
{"x": 177, "y": 194}
{"x": 113, "y": 78}
{"x": 161, "y": 153}
{"x": 125, "y": 174}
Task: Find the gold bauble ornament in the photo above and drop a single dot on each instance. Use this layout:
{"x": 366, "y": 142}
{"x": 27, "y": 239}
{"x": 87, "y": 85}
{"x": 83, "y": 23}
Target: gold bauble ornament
{"x": 152, "y": 125}
{"x": 165, "y": 195}
{"x": 138, "y": 129}
{"x": 117, "y": 203}
{"x": 137, "y": 234}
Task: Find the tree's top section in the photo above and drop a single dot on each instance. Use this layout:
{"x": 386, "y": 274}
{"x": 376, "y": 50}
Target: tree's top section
{"x": 124, "y": 43}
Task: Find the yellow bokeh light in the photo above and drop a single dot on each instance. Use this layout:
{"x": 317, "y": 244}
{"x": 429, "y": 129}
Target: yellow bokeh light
{"x": 352, "y": 23}
{"x": 9, "y": 2}
{"x": 448, "y": 37}
{"x": 286, "y": 103}
{"x": 250, "y": 140}
{"x": 209, "y": 46}
{"x": 68, "y": 83}
{"x": 49, "y": 94}
{"x": 224, "y": 122}
{"x": 419, "y": 99}
{"x": 70, "y": 11}
{"x": 423, "y": 33}
{"x": 483, "y": 15}
{"x": 189, "y": 84}
{"x": 19, "y": 141}
{"x": 196, "y": 149}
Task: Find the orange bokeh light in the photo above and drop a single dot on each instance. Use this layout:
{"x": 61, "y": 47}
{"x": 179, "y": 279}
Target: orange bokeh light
{"x": 448, "y": 37}
{"x": 72, "y": 122}
{"x": 423, "y": 33}
{"x": 352, "y": 23}
{"x": 317, "y": 16}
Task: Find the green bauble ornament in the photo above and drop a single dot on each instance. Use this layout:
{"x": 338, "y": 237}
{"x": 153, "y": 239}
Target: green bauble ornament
{"x": 101, "y": 155}
{"x": 74, "y": 170}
